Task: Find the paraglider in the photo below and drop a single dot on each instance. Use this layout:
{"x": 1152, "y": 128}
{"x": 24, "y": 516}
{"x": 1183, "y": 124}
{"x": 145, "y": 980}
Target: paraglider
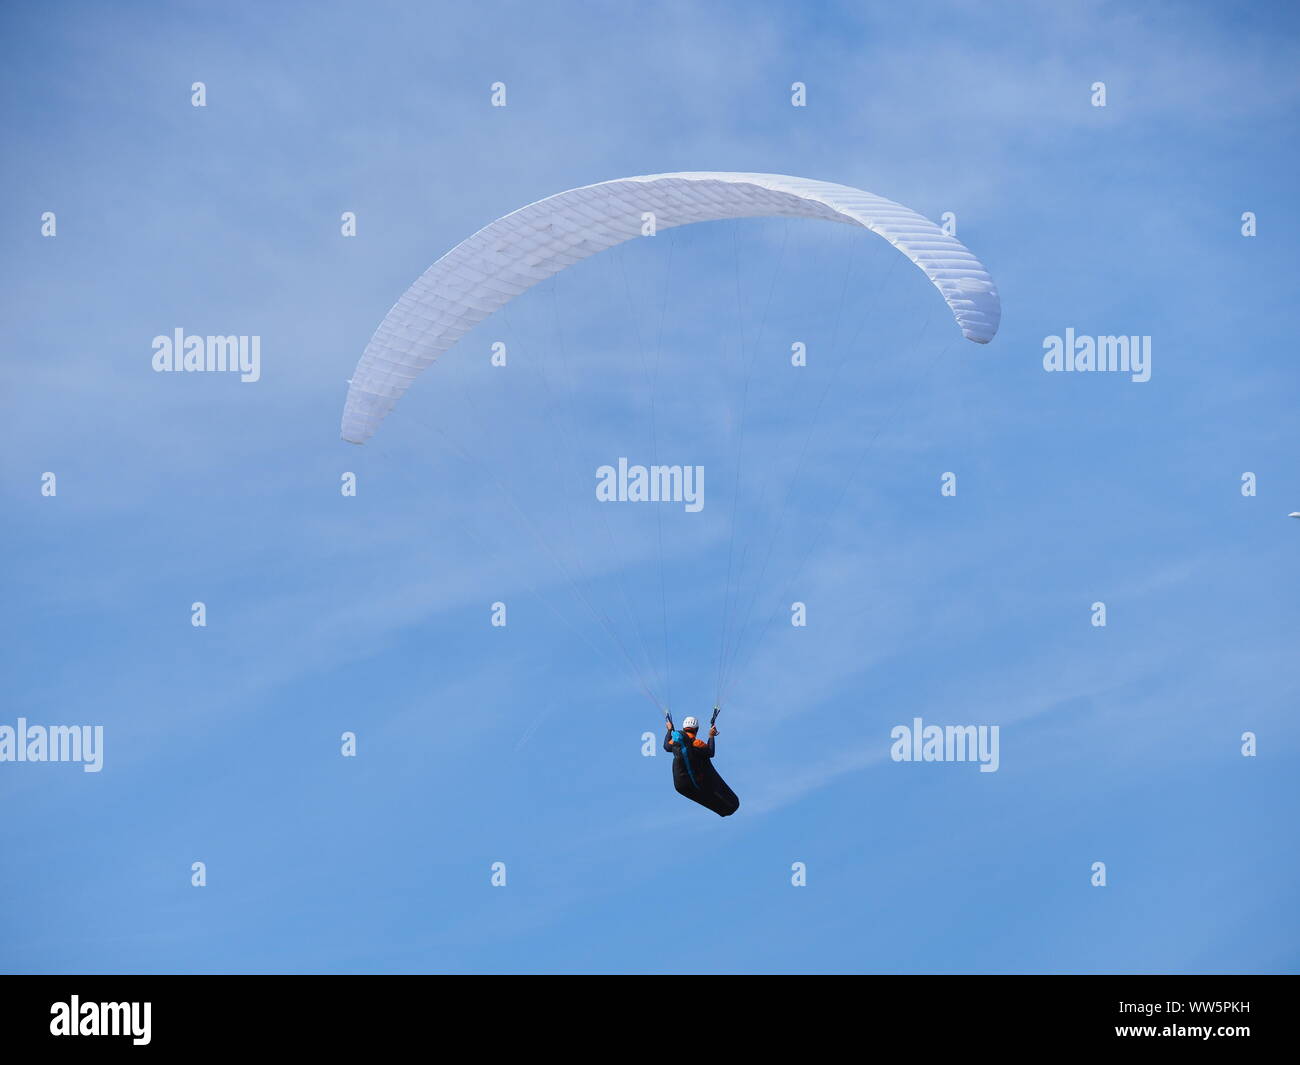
{"x": 505, "y": 258}
{"x": 693, "y": 772}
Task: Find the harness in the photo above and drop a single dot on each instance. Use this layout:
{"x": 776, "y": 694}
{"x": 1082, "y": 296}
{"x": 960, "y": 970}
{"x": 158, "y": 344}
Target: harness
{"x": 682, "y": 741}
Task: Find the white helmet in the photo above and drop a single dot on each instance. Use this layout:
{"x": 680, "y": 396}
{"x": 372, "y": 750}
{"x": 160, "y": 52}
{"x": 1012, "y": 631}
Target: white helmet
{"x": 691, "y": 722}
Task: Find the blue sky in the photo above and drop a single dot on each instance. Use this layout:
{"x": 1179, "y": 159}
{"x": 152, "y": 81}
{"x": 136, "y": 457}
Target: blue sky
{"x": 524, "y": 744}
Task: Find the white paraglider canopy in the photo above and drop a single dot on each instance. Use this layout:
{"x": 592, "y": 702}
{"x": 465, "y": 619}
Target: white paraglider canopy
{"x": 487, "y": 270}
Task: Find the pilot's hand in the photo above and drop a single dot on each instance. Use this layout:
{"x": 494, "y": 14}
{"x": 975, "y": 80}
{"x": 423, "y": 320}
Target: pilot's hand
{"x": 712, "y": 731}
